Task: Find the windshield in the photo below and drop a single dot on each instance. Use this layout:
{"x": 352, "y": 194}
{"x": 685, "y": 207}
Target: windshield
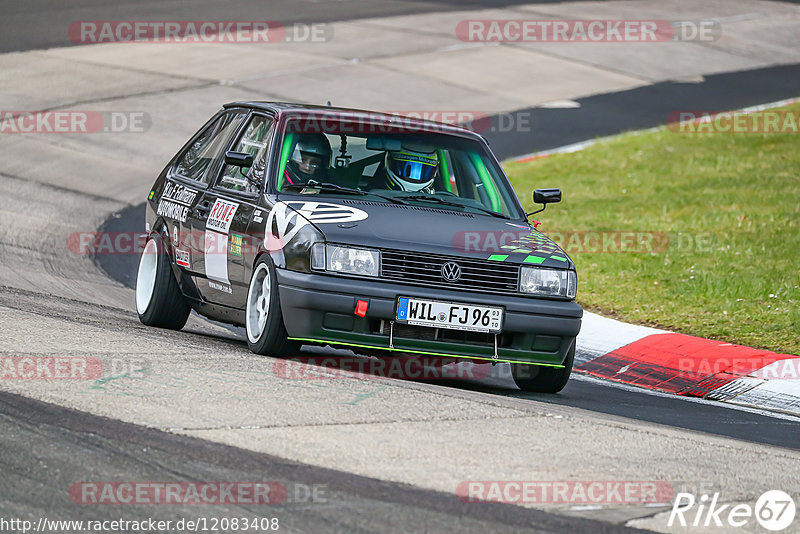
{"x": 335, "y": 158}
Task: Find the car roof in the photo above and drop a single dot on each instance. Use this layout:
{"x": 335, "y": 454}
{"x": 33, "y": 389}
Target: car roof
{"x": 305, "y": 110}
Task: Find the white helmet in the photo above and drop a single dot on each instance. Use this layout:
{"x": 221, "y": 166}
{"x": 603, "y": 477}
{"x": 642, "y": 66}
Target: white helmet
{"x": 311, "y": 156}
{"x": 412, "y": 168}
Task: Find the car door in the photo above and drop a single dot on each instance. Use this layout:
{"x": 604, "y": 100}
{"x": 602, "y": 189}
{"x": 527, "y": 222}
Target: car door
{"x": 231, "y": 204}
{"x": 199, "y": 164}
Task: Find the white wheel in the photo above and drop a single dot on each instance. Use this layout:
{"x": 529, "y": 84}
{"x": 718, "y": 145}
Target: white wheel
{"x": 146, "y": 277}
{"x": 266, "y": 332}
{"x": 159, "y": 300}
{"x": 258, "y": 302}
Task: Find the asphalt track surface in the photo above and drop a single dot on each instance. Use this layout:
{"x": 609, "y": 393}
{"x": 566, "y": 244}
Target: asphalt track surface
{"x": 37, "y": 474}
{"x": 35, "y": 24}
{"x": 44, "y": 446}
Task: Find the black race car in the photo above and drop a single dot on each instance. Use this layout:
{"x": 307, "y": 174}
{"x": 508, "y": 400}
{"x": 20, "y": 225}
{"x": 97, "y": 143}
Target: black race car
{"x": 319, "y": 225}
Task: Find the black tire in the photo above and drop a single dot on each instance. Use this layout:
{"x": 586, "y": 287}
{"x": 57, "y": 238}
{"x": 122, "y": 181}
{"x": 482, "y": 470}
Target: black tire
{"x": 266, "y": 332}
{"x": 159, "y": 301}
{"x": 543, "y": 379}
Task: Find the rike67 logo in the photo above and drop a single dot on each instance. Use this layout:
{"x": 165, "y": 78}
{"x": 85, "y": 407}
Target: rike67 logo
{"x": 774, "y": 510}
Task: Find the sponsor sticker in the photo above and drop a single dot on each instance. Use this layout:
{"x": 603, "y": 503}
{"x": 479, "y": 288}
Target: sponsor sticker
{"x": 172, "y": 210}
{"x": 179, "y": 193}
{"x": 175, "y": 201}
{"x": 219, "y": 287}
{"x": 182, "y": 257}
{"x": 221, "y": 216}
{"x": 216, "y": 256}
{"x": 236, "y": 245}
{"x": 288, "y": 218}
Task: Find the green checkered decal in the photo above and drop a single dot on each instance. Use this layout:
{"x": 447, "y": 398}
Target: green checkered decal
{"x": 537, "y": 247}
{"x": 534, "y": 259}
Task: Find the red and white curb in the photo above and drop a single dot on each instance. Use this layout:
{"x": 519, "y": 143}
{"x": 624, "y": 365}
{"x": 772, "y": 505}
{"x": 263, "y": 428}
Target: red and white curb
{"x": 688, "y": 365}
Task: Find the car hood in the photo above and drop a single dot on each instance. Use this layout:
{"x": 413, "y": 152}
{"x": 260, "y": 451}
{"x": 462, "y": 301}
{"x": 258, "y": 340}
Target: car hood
{"x": 434, "y": 230}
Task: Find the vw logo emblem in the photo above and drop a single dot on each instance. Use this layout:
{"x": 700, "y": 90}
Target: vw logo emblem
{"x": 451, "y": 271}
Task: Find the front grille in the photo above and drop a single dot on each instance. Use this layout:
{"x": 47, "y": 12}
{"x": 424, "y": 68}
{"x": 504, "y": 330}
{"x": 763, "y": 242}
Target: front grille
{"x": 426, "y": 269}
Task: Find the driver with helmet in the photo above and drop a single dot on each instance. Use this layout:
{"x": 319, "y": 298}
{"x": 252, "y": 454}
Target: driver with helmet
{"x": 412, "y": 168}
{"x": 310, "y": 160}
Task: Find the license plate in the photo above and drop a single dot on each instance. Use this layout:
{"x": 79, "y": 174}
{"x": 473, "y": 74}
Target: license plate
{"x": 450, "y": 315}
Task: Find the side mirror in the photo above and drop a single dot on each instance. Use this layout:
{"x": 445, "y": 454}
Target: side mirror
{"x": 238, "y": 159}
{"x": 545, "y": 196}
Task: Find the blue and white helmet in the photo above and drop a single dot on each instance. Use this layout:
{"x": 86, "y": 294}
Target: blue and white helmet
{"x": 412, "y": 168}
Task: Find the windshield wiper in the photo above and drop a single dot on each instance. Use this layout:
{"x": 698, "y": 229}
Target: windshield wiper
{"x": 457, "y": 204}
{"x": 325, "y": 186}
{"x": 331, "y": 187}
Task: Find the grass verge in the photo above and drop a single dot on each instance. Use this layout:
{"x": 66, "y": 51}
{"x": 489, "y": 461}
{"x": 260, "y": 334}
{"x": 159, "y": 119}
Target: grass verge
{"x": 693, "y": 232}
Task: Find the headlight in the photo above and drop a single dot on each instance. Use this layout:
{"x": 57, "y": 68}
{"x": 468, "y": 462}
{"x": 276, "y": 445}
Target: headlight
{"x": 548, "y": 282}
{"x": 347, "y": 260}
{"x": 318, "y": 256}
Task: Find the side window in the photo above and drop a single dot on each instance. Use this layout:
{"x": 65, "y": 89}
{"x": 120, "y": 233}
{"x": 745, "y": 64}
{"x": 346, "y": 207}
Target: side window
{"x": 195, "y": 162}
{"x": 254, "y": 141}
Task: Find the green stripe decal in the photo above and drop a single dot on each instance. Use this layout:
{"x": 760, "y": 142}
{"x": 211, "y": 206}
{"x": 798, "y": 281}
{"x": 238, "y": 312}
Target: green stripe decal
{"x": 487, "y": 359}
{"x": 445, "y": 171}
{"x": 559, "y": 258}
{"x": 487, "y": 181}
{"x": 533, "y": 259}
{"x": 287, "y": 145}
{"x": 498, "y": 257}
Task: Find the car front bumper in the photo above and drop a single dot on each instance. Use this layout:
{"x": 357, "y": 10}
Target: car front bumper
{"x": 321, "y": 308}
